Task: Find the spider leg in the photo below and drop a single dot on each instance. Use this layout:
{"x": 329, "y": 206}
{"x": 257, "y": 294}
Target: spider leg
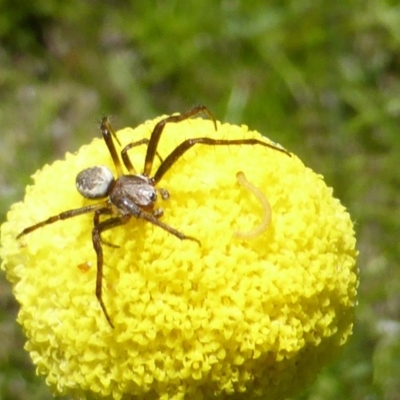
{"x": 125, "y": 157}
{"x": 155, "y": 221}
{"x": 98, "y": 228}
{"x": 108, "y": 132}
{"x": 62, "y": 216}
{"x": 96, "y": 221}
{"x": 158, "y": 129}
{"x": 187, "y": 144}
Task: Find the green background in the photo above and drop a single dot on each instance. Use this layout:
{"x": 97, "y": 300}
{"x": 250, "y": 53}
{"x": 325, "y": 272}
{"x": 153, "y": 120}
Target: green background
{"x": 319, "y": 77}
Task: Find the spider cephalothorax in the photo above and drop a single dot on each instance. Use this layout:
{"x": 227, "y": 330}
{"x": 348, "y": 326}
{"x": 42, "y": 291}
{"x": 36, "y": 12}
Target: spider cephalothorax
{"x": 132, "y": 194}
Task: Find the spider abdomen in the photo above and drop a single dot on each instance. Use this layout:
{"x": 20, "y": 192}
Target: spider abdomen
{"x": 94, "y": 182}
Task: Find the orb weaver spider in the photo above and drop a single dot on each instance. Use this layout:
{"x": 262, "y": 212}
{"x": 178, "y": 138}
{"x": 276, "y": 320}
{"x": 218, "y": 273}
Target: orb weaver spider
{"x": 132, "y": 194}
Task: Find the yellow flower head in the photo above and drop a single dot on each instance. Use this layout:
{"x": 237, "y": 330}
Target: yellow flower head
{"x": 243, "y": 317}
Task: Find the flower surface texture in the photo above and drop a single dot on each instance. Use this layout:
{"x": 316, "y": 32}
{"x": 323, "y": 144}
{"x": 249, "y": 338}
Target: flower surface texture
{"x": 231, "y": 318}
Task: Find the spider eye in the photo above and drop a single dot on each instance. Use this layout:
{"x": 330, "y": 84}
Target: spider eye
{"x": 95, "y": 182}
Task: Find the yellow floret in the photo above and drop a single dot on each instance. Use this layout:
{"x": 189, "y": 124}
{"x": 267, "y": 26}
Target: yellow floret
{"x": 232, "y": 316}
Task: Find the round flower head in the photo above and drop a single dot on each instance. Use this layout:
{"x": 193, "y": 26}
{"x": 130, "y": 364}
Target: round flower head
{"x": 235, "y": 317}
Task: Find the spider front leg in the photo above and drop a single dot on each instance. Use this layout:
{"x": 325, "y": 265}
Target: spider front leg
{"x": 98, "y": 228}
{"x": 108, "y": 132}
{"x": 158, "y": 129}
{"x": 125, "y": 158}
{"x": 187, "y": 144}
{"x": 155, "y": 221}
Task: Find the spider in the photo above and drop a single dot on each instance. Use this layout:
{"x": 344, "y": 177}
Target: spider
{"x": 132, "y": 194}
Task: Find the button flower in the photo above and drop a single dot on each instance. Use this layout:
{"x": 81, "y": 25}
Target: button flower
{"x": 241, "y": 317}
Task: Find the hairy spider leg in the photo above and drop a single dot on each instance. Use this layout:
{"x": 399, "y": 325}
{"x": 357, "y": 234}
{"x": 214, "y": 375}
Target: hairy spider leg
{"x": 107, "y": 210}
{"x": 125, "y": 158}
{"x": 187, "y": 144}
{"x": 64, "y": 215}
{"x": 107, "y": 132}
{"x": 158, "y": 129}
{"x": 155, "y": 221}
{"x": 98, "y": 228}
{"x": 111, "y": 129}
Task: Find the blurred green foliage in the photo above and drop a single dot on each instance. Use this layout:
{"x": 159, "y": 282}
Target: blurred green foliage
{"x": 322, "y": 78}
